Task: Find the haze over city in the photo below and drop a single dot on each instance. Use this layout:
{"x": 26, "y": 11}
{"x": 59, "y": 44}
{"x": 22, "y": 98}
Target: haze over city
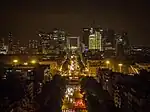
{"x": 74, "y": 56}
{"x": 24, "y": 18}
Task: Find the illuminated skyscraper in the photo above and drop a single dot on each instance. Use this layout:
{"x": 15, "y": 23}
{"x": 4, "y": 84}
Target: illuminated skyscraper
{"x": 33, "y": 47}
{"x": 95, "y": 41}
{"x": 3, "y": 47}
{"x": 53, "y": 42}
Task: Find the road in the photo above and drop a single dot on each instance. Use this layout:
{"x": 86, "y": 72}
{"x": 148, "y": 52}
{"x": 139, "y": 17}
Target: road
{"x": 73, "y": 100}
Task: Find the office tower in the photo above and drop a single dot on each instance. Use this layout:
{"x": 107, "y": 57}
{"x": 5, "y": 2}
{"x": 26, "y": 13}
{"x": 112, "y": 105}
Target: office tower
{"x": 85, "y": 37}
{"x": 33, "y": 46}
{"x": 2, "y": 42}
{"x": 10, "y": 43}
{"x": 95, "y": 41}
{"x": 3, "y": 47}
{"x": 122, "y": 44}
{"x": 108, "y": 39}
{"x": 45, "y": 42}
{"x": 119, "y": 46}
{"x": 53, "y": 42}
{"x": 59, "y": 40}
{"x": 16, "y": 47}
{"x": 24, "y": 49}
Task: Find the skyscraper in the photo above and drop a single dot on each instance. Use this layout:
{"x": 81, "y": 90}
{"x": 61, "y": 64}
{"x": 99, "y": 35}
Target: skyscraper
{"x": 108, "y": 39}
{"x": 33, "y": 47}
{"x": 10, "y": 43}
{"x": 3, "y": 47}
{"x": 16, "y": 47}
{"x": 95, "y": 41}
{"x": 1, "y": 43}
{"x": 45, "y": 42}
{"x": 53, "y": 42}
{"x": 85, "y": 37}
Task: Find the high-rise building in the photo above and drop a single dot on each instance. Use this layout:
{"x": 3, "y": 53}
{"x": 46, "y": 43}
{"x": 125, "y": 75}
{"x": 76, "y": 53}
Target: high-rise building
{"x": 2, "y": 42}
{"x": 122, "y": 44}
{"x": 85, "y": 37}
{"x": 45, "y": 43}
{"x": 108, "y": 39}
{"x": 95, "y": 41}
{"x": 10, "y": 43}
{"x": 16, "y": 47}
{"x": 33, "y": 46}
{"x": 119, "y": 46}
{"x": 3, "y": 47}
{"x": 53, "y": 42}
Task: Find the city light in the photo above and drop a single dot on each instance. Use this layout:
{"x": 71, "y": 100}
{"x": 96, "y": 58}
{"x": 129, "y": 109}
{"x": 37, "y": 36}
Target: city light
{"x": 25, "y": 63}
{"x": 120, "y": 65}
{"x": 15, "y": 61}
{"x": 66, "y": 96}
{"x": 79, "y": 104}
{"x": 33, "y": 61}
{"x": 107, "y": 62}
{"x": 86, "y": 69}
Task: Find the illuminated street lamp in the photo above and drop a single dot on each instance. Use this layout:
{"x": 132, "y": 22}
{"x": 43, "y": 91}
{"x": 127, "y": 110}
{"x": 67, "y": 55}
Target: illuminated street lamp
{"x": 33, "y": 61}
{"x": 120, "y": 67}
{"x": 15, "y": 61}
{"x": 107, "y": 63}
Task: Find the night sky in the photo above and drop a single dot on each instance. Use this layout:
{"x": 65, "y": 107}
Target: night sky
{"x": 24, "y": 19}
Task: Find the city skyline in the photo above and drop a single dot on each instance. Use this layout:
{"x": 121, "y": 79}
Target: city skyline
{"x": 24, "y": 19}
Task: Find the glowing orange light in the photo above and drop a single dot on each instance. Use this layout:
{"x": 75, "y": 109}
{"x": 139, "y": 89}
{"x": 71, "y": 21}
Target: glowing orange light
{"x": 79, "y": 104}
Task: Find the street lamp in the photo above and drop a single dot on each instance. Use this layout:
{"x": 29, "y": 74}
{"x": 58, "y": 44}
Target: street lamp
{"x": 15, "y": 61}
{"x": 120, "y": 67}
{"x": 107, "y": 63}
{"x": 33, "y": 61}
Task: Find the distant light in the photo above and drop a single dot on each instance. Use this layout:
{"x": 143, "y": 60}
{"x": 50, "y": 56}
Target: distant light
{"x": 15, "y": 61}
{"x": 71, "y": 100}
{"x": 120, "y": 64}
{"x": 70, "y": 77}
{"x": 25, "y": 63}
{"x": 71, "y": 94}
{"x": 66, "y": 96}
{"x": 33, "y": 61}
{"x": 107, "y": 62}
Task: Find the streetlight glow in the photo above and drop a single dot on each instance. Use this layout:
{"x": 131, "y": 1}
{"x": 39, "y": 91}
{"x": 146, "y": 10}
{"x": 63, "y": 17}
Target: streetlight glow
{"x": 15, "y": 61}
{"x": 33, "y": 61}
{"x": 107, "y": 62}
{"x": 120, "y": 67}
{"x": 120, "y": 64}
